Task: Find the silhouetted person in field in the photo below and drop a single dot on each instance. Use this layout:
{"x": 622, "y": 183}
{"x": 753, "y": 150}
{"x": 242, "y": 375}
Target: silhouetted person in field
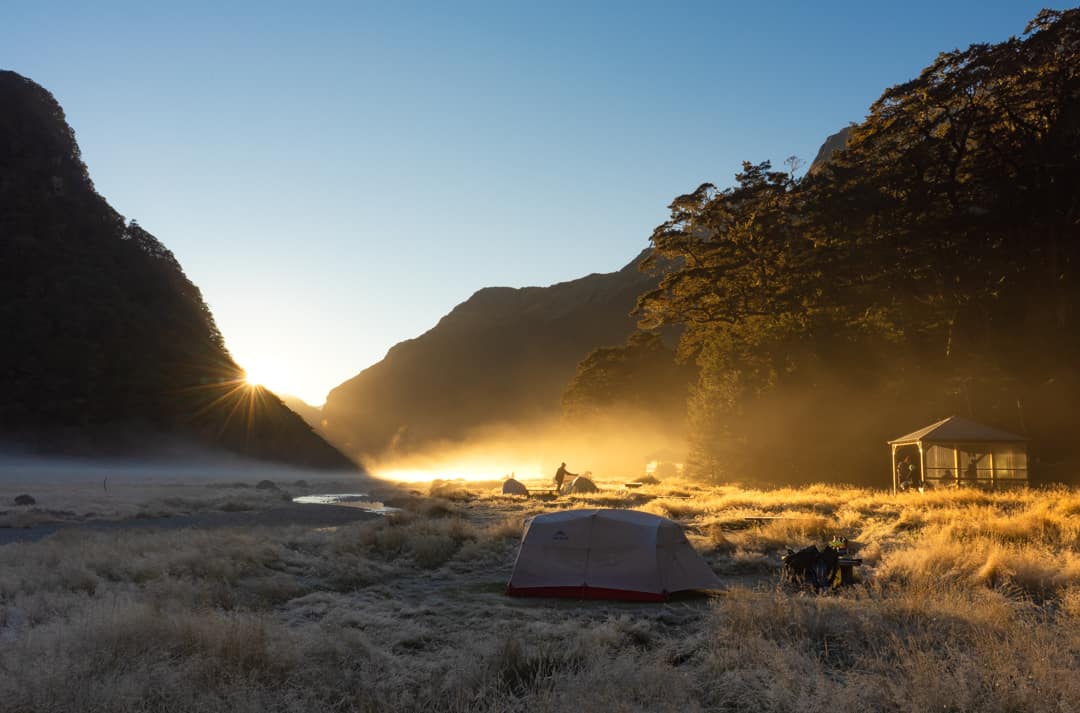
{"x": 560, "y": 476}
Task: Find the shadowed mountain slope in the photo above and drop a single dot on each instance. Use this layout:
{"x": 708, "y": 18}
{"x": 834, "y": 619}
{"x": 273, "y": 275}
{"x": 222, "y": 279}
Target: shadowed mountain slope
{"x": 108, "y": 347}
{"x": 312, "y": 415}
{"x": 502, "y": 356}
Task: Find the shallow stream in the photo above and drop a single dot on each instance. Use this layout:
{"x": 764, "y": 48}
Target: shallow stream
{"x": 360, "y": 501}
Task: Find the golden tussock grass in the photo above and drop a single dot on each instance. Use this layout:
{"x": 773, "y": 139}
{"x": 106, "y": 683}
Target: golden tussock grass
{"x": 968, "y": 601}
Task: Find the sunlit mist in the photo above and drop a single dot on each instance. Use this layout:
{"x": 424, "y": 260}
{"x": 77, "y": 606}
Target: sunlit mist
{"x": 615, "y": 449}
{"x": 459, "y": 471}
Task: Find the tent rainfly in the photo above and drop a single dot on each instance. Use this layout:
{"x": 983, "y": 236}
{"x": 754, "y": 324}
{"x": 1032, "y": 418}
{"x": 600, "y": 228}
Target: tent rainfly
{"x": 606, "y": 554}
{"x": 957, "y": 451}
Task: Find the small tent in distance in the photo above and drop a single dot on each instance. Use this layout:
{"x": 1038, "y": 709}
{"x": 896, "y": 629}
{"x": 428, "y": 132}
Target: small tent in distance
{"x": 956, "y": 451}
{"x": 581, "y": 484}
{"x": 512, "y": 486}
{"x": 607, "y": 554}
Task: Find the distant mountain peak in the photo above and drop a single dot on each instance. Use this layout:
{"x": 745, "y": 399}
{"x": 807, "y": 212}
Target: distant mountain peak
{"x": 835, "y": 142}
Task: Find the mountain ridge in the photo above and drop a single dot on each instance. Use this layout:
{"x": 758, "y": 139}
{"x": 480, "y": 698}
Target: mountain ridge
{"x": 114, "y": 344}
{"x": 504, "y": 355}
{"x": 384, "y": 410}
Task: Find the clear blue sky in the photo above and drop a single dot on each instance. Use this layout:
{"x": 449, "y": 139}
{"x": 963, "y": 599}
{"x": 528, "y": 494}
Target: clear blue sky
{"x": 337, "y": 176}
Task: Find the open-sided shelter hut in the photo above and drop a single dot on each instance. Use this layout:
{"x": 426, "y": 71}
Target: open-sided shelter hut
{"x": 957, "y": 451}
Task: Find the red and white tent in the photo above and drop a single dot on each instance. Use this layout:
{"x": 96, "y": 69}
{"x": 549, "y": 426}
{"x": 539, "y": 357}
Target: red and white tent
{"x": 606, "y": 554}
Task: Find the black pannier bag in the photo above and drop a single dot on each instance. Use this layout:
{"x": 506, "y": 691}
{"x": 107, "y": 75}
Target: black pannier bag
{"x": 812, "y": 567}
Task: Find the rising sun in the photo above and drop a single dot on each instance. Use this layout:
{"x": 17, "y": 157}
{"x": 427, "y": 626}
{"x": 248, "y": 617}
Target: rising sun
{"x": 273, "y": 376}
{"x": 252, "y": 378}
{"x": 266, "y": 376}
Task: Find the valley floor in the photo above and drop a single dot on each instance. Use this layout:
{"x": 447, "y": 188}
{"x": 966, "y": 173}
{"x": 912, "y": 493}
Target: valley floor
{"x": 969, "y": 601}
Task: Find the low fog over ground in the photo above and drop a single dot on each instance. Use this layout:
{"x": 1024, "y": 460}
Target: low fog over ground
{"x": 39, "y": 496}
{"x": 191, "y": 466}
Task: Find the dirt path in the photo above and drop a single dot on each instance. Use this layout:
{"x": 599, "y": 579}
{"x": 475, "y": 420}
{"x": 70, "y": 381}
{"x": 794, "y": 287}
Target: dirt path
{"x": 303, "y": 515}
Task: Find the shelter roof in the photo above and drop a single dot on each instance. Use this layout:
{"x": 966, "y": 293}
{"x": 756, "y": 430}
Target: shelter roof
{"x": 958, "y": 430}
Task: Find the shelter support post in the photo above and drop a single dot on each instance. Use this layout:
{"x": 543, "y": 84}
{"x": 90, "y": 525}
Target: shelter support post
{"x": 895, "y": 485}
{"x": 956, "y": 463}
{"x": 922, "y": 468}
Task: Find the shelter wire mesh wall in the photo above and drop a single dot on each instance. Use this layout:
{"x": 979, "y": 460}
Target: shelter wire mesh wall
{"x": 976, "y": 465}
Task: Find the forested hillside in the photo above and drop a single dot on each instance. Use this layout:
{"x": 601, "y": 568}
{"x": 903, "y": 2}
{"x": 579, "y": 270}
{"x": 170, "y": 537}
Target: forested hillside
{"x": 108, "y": 347}
{"x": 926, "y": 268}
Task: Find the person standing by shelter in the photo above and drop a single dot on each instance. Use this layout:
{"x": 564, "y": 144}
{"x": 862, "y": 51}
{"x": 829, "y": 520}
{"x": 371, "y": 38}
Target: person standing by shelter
{"x": 560, "y": 476}
{"x": 971, "y": 473}
{"x": 905, "y": 474}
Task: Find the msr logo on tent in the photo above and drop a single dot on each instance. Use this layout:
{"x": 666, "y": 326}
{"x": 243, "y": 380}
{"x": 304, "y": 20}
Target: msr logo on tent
{"x": 560, "y": 535}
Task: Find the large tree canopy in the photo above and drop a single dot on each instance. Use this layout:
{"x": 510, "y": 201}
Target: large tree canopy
{"x": 928, "y": 267}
